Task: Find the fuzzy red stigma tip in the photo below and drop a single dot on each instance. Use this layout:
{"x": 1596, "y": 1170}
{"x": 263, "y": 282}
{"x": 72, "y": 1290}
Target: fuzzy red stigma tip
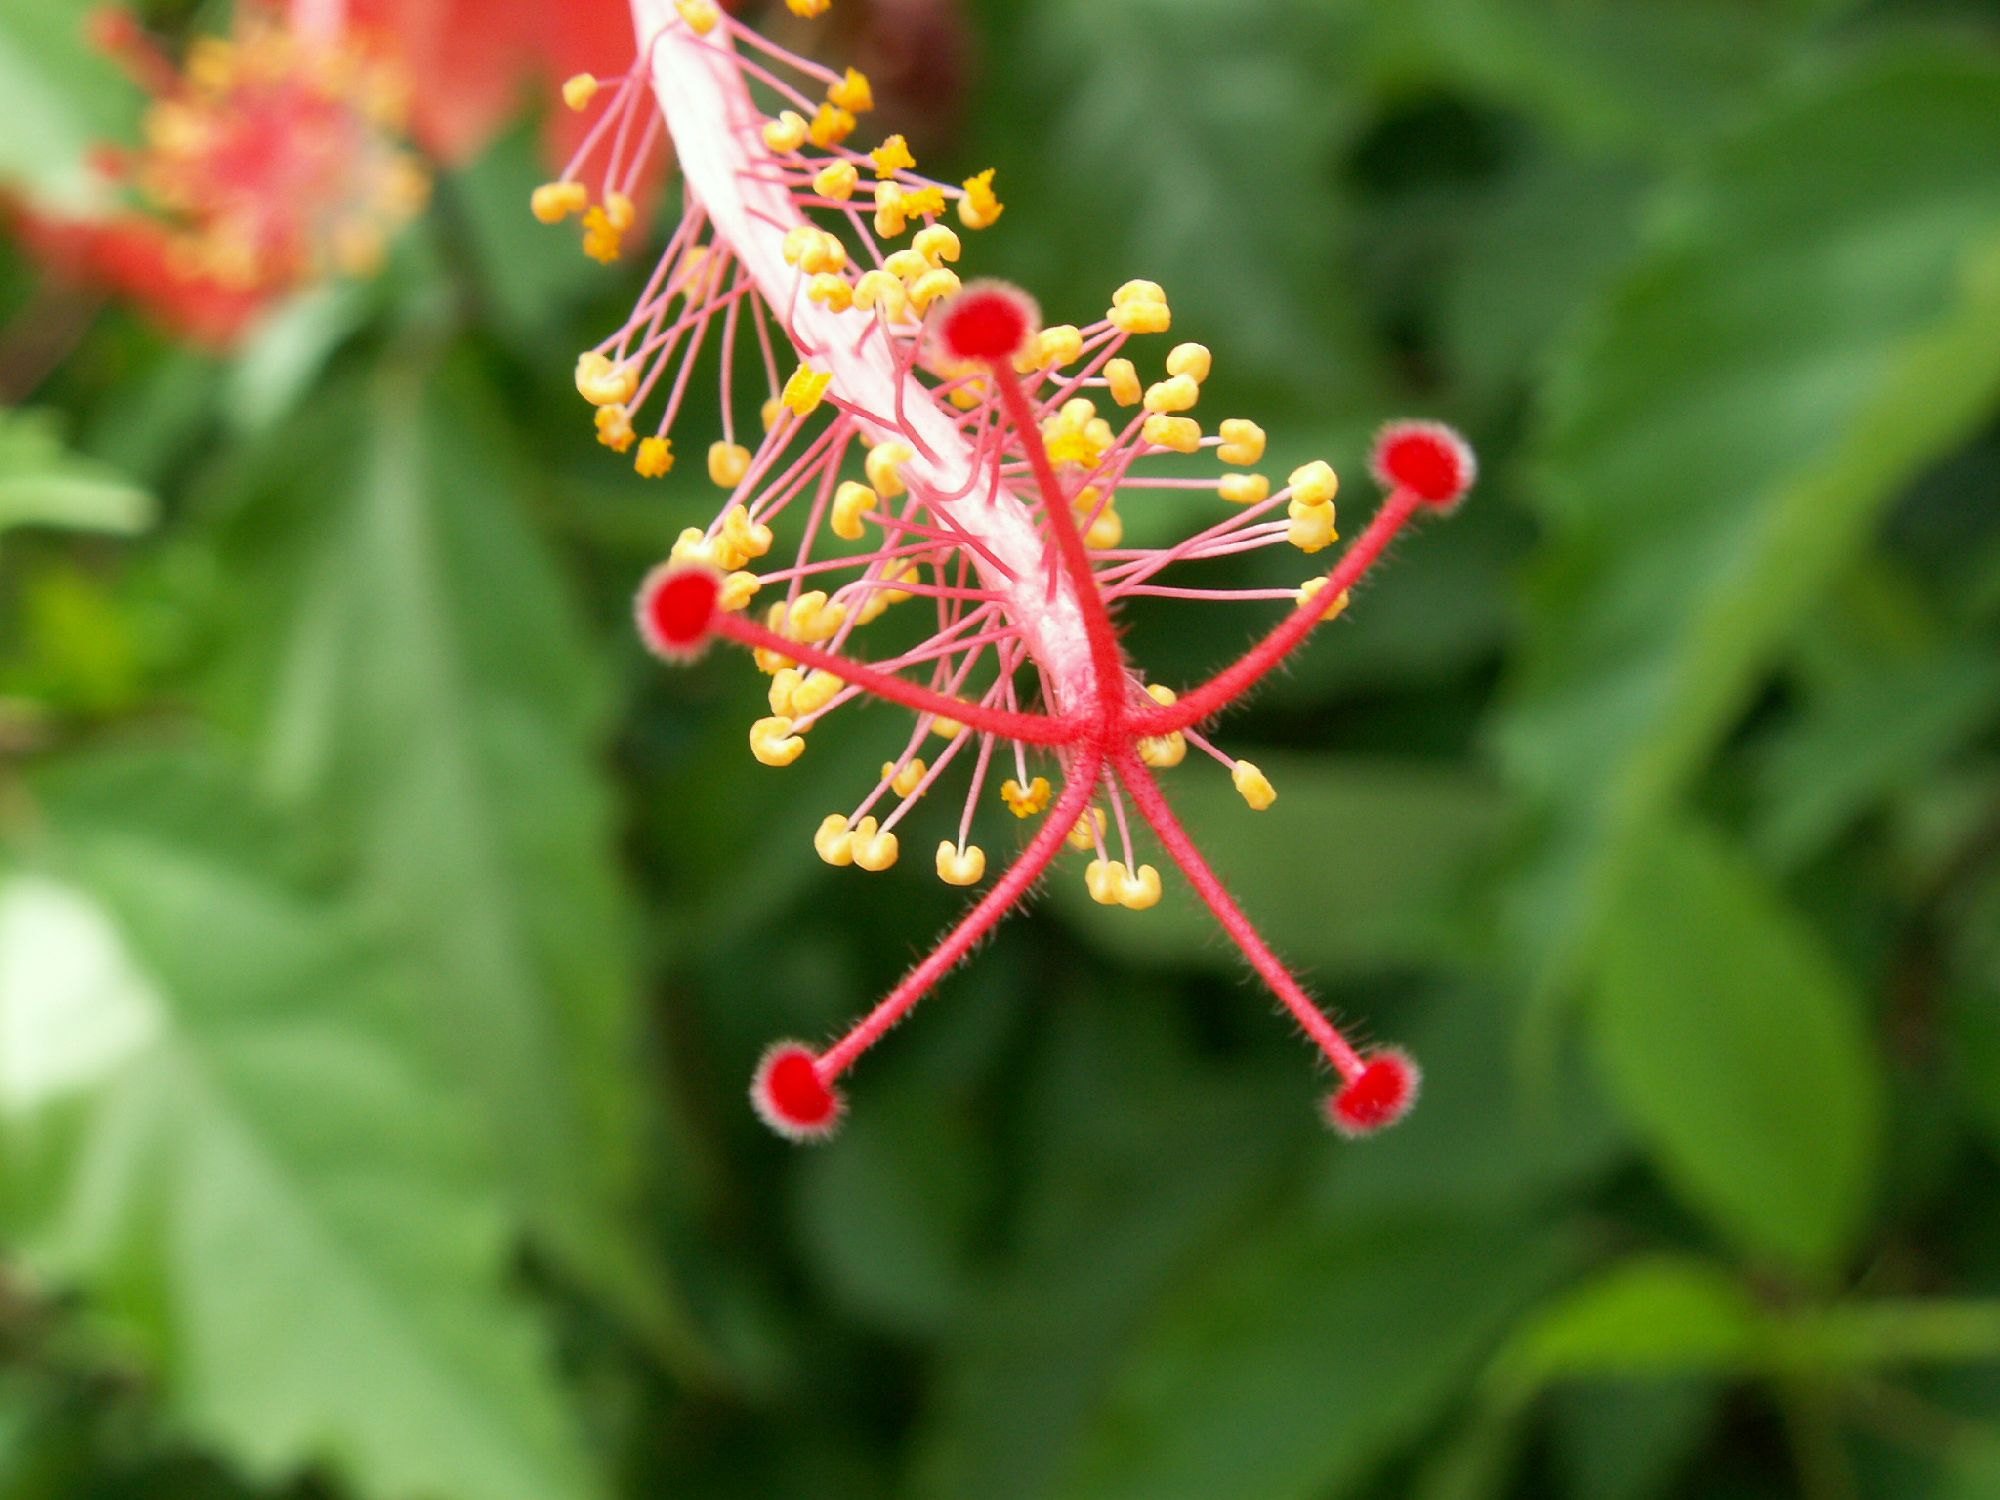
{"x": 987, "y": 321}
{"x": 1376, "y": 1097}
{"x": 790, "y": 1096}
{"x": 676, "y": 609}
{"x": 1428, "y": 459}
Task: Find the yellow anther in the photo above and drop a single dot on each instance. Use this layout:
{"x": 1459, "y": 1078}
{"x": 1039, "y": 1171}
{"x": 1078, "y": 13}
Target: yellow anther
{"x": 823, "y": 254}
{"x": 1182, "y": 434}
{"x": 892, "y": 216}
{"x": 850, "y": 502}
{"x": 873, "y": 851}
{"x": 905, "y": 782}
{"x": 1105, "y": 879}
{"x": 879, "y": 291}
{"x": 956, "y": 866}
{"x": 1242, "y": 442}
{"x": 1055, "y": 347}
{"x": 831, "y": 290}
{"x": 602, "y": 383}
{"x": 212, "y": 64}
{"x": 603, "y": 240}
{"x": 813, "y": 250}
{"x": 830, "y": 126}
{"x": 1191, "y": 360}
{"x": 771, "y": 412}
{"x": 876, "y": 602}
{"x": 696, "y": 266}
{"x": 579, "y": 90}
{"x": 933, "y": 286}
{"x": 906, "y": 264}
{"x": 1253, "y": 784}
{"x": 808, "y": 8}
{"x": 1025, "y": 802}
{"x": 727, "y": 464}
{"x": 1124, "y": 381}
{"x": 882, "y": 463}
{"x": 924, "y": 203}
{"x": 907, "y": 572}
{"x": 891, "y": 157}
{"x": 1102, "y": 527}
{"x": 1089, "y": 830}
{"x": 1142, "y": 317}
{"x": 1163, "y": 750}
{"x": 836, "y": 181}
{"x": 1314, "y": 483}
{"x": 1138, "y": 291}
{"x": 553, "y": 202}
{"x": 806, "y": 389}
{"x": 979, "y": 207}
{"x": 771, "y": 662}
{"x": 833, "y": 840}
{"x": 936, "y": 243}
{"x": 737, "y": 590}
{"x": 655, "y": 458}
{"x": 1161, "y": 694}
{"x": 812, "y": 619}
{"x": 1243, "y": 489}
{"x": 693, "y": 546}
{"x": 773, "y": 743}
{"x": 818, "y": 688}
{"x": 1311, "y": 527}
{"x": 751, "y": 538}
{"x": 620, "y": 211}
{"x": 614, "y": 427}
{"x": 969, "y": 395}
{"x": 786, "y": 133}
{"x": 784, "y": 683}
{"x": 852, "y": 93}
{"x": 1073, "y": 437}
{"x": 701, "y": 15}
{"x": 946, "y": 729}
{"x": 1139, "y": 889}
{"x": 1178, "y": 394}
{"x": 1312, "y": 588}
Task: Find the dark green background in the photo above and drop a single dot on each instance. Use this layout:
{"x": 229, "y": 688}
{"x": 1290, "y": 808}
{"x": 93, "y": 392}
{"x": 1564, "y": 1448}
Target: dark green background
{"x": 385, "y": 942}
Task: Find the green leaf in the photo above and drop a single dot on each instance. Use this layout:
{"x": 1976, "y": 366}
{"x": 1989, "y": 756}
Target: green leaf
{"x": 416, "y": 680}
{"x": 43, "y": 484}
{"x": 1636, "y": 74}
{"x": 1648, "y": 1317}
{"x": 1736, "y": 1047}
{"x": 1819, "y": 320}
{"x": 1298, "y": 1361}
{"x": 219, "y": 1122}
{"x": 58, "y": 100}
{"x": 1360, "y": 866}
{"x": 1882, "y": 732}
{"x": 1223, "y": 192}
{"x": 1139, "y": 1165}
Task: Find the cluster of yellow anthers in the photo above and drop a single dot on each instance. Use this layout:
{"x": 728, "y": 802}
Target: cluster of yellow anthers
{"x": 897, "y": 457}
{"x": 272, "y": 156}
{"x": 984, "y": 461}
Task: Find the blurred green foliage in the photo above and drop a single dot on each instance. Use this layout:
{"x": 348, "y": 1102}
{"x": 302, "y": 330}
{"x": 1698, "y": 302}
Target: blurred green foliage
{"x": 384, "y": 943}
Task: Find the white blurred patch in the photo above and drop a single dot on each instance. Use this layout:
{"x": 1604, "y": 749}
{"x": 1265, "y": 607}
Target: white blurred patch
{"x": 74, "y": 1008}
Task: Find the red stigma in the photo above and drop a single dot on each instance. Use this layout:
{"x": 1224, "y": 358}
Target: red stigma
{"x": 790, "y": 1096}
{"x": 1428, "y": 459}
{"x": 1376, "y": 1097}
{"x": 677, "y": 609}
{"x": 987, "y": 321}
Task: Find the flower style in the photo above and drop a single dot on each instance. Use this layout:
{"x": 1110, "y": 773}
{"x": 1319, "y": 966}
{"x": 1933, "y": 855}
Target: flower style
{"x": 935, "y": 441}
